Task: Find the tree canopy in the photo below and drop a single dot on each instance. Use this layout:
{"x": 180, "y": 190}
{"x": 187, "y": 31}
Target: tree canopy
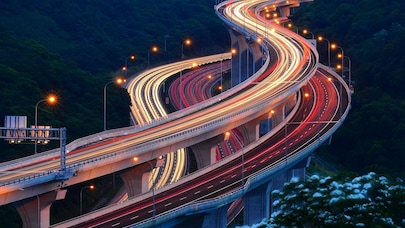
{"x": 370, "y": 200}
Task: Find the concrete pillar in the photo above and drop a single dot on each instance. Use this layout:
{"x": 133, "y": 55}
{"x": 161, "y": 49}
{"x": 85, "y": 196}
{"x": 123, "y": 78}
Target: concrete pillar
{"x": 136, "y": 179}
{"x": 251, "y": 131}
{"x": 235, "y": 65}
{"x": 35, "y": 211}
{"x": 257, "y": 204}
{"x": 285, "y": 11}
{"x": 216, "y": 218}
{"x": 256, "y": 56}
{"x": 278, "y": 115}
{"x": 205, "y": 152}
{"x": 297, "y": 171}
{"x": 290, "y": 104}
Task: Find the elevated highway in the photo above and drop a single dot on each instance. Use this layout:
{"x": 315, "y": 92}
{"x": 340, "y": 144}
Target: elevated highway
{"x": 268, "y": 88}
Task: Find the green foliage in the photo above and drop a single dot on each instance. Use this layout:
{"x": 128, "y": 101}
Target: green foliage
{"x": 73, "y": 48}
{"x": 99, "y": 35}
{"x": 372, "y": 36}
{"x": 369, "y": 201}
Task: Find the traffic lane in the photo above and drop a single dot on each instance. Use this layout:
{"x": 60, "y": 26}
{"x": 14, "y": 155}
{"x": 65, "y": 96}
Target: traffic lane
{"x": 225, "y": 178}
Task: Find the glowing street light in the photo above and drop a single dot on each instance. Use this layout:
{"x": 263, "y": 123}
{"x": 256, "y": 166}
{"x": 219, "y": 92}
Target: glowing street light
{"x": 125, "y": 68}
{"x": 154, "y": 49}
{"x": 321, "y": 38}
{"x": 349, "y": 67}
{"x": 51, "y": 99}
{"x": 186, "y": 42}
{"x": 305, "y": 31}
{"x": 91, "y": 187}
{"x": 118, "y": 81}
{"x": 334, "y": 46}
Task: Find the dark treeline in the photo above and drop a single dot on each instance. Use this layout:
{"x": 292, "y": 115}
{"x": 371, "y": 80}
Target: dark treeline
{"x": 73, "y": 48}
{"x": 372, "y": 34}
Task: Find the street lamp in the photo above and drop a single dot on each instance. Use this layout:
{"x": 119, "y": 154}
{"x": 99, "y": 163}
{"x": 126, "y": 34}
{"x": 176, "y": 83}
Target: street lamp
{"x": 334, "y": 46}
{"x": 91, "y": 187}
{"x": 118, "y": 81}
{"x": 125, "y": 68}
{"x": 50, "y": 99}
{"x": 186, "y": 42}
{"x": 349, "y": 67}
{"x": 154, "y": 49}
{"x": 291, "y": 26}
{"x": 153, "y": 193}
{"x": 305, "y": 31}
{"x": 320, "y": 38}
{"x": 152, "y": 188}
{"x": 166, "y": 36}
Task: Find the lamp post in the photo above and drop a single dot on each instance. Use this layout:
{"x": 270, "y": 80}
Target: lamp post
{"x": 118, "y": 81}
{"x": 39, "y": 211}
{"x": 290, "y": 26}
{"x": 91, "y": 187}
{"x": 125, "y": 68}
{"x": 154, "y": 49}
{"x": 50, "y": 99}
{"x": 152, "y": 188}
{"x": 349, "y": 67}
{"x": 166, "y": 36}
{"x": 334, "y": 46}
{"x": 186, "y": 42}
{"x": 320, "y": 38}
{"x": 305, "y": 31}
{"x": 153, "y": 193}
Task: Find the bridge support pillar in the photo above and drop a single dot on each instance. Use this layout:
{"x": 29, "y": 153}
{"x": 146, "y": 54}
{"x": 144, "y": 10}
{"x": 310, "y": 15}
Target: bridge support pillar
{"x": 285, "y": 11}
{"x": 257, "y": 204}
{"x": 35, "y": 211}
{"x": 251, "y": 130}
{"x": 136, "y": 179}
{"x": 205, "y": 153}
{"x": 238, "y": 70}
{"x": 297, "y": 171}
{"x": 216, "y": 218}
{"x": 247, "y": 59}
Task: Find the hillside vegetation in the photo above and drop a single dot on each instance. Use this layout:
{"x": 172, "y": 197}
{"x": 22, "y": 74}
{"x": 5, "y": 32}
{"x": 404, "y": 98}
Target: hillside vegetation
{"x": 372, "y": 34}
{"x": 73, "y": 48}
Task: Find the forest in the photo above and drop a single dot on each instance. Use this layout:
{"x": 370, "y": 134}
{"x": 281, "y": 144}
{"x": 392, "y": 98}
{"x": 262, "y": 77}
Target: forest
{"x": 73, "y": 48}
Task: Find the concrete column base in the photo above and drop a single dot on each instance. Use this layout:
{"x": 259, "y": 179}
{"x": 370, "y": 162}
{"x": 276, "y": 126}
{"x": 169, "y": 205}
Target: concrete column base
{"x": 257, "y": 204}
{"x": 216, "y": 218}
{"x": 136, "y": 179}
{"x": 205, "y": 152}
{"x": 35, "y": 211}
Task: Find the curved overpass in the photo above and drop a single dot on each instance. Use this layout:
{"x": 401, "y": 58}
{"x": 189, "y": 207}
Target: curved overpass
{"x": 296, "y": 66}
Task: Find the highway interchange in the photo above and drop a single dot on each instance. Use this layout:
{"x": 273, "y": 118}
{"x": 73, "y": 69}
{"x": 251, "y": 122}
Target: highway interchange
{"x": 294, "y": 71}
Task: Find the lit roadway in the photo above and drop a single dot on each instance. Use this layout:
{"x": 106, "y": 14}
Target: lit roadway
{"x": 296, "y": 65}
{"x": 318, "y": 113}
{"x": 144, "y": 90}
{"x": 288, "y": 141}
{"x": 295, "y": 68}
